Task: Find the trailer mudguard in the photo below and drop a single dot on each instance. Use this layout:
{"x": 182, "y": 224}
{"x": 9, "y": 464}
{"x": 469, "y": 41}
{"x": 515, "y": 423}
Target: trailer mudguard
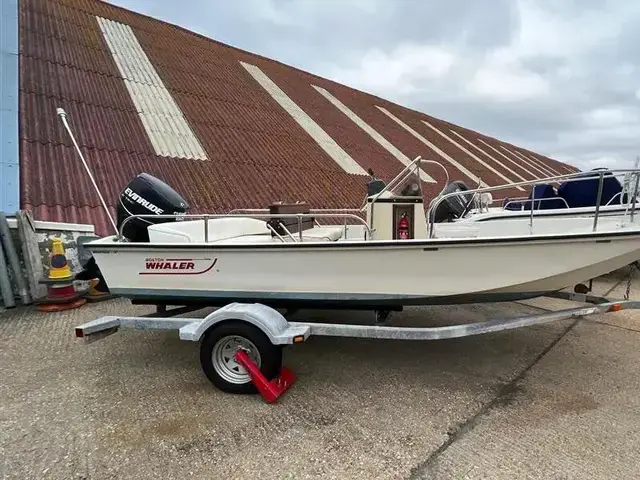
{"x": 270, "y": 321}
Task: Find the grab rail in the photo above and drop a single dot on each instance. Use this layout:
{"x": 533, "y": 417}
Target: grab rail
{"x": 572, "y": 177}
{"x": 206, "y": 217}
{"x": 311, "y": 210}
{"x": 528, "y": 200}
{"x": 531, "y": 200}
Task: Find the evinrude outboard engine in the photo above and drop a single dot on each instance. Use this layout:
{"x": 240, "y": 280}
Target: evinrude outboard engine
{"x": 453, "y": 207}
{"x": 144, "y": 195}
{"x": 147, "y": 195}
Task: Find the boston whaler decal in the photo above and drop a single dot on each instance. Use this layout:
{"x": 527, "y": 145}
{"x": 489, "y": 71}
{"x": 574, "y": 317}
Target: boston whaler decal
{"x": 177, "y": 266}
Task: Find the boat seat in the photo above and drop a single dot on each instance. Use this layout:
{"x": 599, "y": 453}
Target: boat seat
{"x": 328, "y": 234}
{"x": 230, "y": 230}
{"x": 315, "y": 234}
{"x": 192, "y": 231}
{"x": 281, "y": 225}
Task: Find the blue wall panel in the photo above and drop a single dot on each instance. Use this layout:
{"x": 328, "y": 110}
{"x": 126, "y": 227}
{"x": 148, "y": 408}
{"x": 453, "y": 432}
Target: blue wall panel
{"x": 9, "y": 145}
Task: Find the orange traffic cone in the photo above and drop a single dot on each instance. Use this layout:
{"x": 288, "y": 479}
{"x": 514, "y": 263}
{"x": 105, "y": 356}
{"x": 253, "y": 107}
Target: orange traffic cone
{"x": 61, "y": 293}
{"x": 59, "y": 268}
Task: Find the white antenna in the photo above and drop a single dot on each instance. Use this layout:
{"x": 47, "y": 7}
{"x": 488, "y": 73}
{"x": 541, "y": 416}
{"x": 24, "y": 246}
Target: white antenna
{"x": 63, "y": 117}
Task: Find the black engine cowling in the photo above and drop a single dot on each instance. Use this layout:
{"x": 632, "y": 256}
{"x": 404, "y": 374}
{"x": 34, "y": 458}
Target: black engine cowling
{"x": 144, "y": 195}
{"x": 452, "y": 207}
{"x": 147, "y": 195}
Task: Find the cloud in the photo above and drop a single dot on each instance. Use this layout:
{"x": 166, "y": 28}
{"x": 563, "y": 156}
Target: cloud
{"x": 502, "y": 80}
{"x": 561, "y": 78}
{"x": 404, "y": 71}
{"x": 612, "y": 117}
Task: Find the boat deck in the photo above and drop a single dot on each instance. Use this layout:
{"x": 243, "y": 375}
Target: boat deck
{"x": 554, "y": 401}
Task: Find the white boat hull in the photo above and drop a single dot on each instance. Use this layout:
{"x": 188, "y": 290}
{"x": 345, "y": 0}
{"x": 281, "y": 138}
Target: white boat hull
{"x": 369, "y": 274}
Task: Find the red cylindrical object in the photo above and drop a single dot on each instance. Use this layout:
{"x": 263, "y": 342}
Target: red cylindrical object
{"x": 61, "y": 292}
{"x": 403, "y": 228}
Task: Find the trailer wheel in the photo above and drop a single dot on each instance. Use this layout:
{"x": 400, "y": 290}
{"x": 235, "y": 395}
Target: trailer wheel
{"x": 217, "y": 352}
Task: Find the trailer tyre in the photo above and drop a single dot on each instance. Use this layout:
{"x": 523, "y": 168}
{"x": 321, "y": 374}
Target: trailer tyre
{"x": 217, "y": 356}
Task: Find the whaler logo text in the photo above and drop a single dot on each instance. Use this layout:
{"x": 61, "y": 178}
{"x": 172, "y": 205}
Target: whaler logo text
{"x": 177, "y": 266}
{"x": 145, "y": 203}
{"x": 163, "y": 265}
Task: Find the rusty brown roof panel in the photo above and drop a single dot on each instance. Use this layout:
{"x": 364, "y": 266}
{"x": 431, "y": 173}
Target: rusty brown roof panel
{"x": 509, "y": 166}
{"x": 354, "y": 140}
{"x": 93, "y": 126}
{"x": 62, "y": 23}
{"x": 513, "y": 162}
{"x": 477, "y": 138}
{"x": 563, "y": 168}
{"x": 366, "y": 151}
{"x": 43, "y": 77}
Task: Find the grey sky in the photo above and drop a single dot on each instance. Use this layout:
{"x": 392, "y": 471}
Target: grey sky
{"x": 558, "y": 77}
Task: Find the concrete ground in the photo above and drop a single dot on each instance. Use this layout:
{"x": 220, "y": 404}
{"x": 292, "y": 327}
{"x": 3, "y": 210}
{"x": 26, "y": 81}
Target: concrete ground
{"x": 556, "y": 401}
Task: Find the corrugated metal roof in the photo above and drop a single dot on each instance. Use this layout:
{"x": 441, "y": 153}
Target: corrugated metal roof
{"x": 143, "y": 95}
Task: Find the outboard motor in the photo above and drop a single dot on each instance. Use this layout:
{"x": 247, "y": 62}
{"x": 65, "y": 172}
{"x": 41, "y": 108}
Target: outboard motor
{"x": 144, "y": 195}
{"x": 452, "y": 207}
{"x": 147, "y": 195}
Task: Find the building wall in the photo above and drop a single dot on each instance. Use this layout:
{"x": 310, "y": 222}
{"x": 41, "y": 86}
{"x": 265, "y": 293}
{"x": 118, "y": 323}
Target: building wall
{"x": 9, "y": 160}
{"x": 43, "y": 234}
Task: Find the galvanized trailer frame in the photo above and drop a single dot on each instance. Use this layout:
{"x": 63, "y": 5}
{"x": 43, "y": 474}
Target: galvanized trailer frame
{"x": 262, "y": 331}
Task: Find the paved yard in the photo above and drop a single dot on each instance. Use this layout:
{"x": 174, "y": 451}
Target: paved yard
{"x": 556, "y": 401}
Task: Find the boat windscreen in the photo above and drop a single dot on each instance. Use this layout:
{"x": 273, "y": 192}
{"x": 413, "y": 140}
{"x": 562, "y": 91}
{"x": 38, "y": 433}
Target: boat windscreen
{"x": 407, "y": 186}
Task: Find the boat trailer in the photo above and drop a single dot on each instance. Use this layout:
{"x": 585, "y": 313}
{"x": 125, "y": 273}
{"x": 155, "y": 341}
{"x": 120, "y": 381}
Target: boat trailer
{"x": 241, "y": 344}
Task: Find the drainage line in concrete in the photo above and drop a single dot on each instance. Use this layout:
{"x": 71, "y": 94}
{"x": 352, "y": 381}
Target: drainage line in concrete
{"x": 504, "y": 394}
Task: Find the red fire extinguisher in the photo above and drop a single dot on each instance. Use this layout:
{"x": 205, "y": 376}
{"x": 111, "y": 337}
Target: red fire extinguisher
{"x": 403, "y": 227}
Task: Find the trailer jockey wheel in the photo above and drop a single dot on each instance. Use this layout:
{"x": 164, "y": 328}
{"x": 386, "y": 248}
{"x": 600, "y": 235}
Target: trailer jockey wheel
{"x": 219, "y": 346}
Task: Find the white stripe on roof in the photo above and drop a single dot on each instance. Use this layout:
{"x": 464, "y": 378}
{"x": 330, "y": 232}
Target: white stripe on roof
{"x": 518, "y": 155}
{"x": 315, "y": 131}
{"x": 163, "y": 120}
{"x": 431, "y": 146}
{"x": 507, "y": 158}
{"x": 471, "y": 154}
{"x": 513, "y": 172}
{"x": 388, "y": 146}
{"x": 549, "y": 167}
{"x": 541, "y": 165}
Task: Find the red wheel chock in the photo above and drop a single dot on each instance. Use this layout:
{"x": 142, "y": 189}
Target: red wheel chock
{"x": 269, "y": 389}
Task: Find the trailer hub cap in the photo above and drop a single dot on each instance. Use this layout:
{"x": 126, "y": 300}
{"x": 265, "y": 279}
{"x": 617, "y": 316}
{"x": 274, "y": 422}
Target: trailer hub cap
{"x": 224, "y": 362}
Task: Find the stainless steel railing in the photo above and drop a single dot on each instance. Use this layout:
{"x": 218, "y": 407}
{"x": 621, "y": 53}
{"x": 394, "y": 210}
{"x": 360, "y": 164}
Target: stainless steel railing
{"x": 206, "y": 217}
{"x": 573, "y": 177}
{"x": 526, "y": 200}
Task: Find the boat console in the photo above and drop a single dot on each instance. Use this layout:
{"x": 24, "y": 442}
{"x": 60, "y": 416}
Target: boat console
{"x": 397, "y": 211}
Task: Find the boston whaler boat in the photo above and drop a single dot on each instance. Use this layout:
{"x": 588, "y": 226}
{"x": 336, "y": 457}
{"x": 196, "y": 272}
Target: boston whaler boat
{"x": 285, "y": 257}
